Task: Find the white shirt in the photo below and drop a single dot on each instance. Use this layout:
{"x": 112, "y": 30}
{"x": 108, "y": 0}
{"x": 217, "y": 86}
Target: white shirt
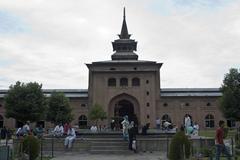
{"x": 166, "y": 124}
{"x": 71, "y": 132}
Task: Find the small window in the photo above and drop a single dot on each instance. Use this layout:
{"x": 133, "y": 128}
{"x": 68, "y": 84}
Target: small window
{"x": 123, "y": 82}
{"x": 165, "y": 104}
{"x": 135, "y": 68}
{"x": 208, "y": 104}
{"x": 209, "y": 121}
{"x": 83, "y": 105}
{"x": 148, "y": 104}
{"x": 82, "y": 121}
{"x": 147, "y": 93}
{"x": 135, "y": 82}
{"x": 148, "y": 116}
{"x": 147, "y": 81}
{"x": 187, "y": 104}
{"x": 112, "y": 82}
{"x": 0, "y": 105}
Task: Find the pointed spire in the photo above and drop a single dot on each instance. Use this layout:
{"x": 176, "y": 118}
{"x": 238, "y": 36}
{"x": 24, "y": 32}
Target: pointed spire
{"x": 124, "y": 32}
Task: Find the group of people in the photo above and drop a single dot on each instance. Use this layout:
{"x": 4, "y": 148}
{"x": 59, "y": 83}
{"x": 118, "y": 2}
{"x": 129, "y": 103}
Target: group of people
{"x": 129, "y": 131}
{"x": 165, "y": 125}
{"x": 65, "y": 130}
{"x": 190, "y": 128}
{"x": 25, "y": 130}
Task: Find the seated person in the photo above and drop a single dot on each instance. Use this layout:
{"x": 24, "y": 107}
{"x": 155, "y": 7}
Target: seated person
{"x": 71, "y": 135}
{"x": 167, "y": 125}
{"x": 58, "y": 131}
{"x": 145, "y": 128}
{"x": 93, "y": 129}
{"x": 19, "y": 132}
{"x": 39, "y": 131}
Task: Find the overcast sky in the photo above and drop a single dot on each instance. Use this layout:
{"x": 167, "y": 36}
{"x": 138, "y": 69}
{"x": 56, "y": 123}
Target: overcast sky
{"x": 49, "y": 41}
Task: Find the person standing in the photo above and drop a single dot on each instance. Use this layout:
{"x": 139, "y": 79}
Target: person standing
{"x": 220, "y": 146}
{"x": 3, "y": 133}
{"x": 125, "y": 125}
{"x": 71, "y": 135}
{"x": 112, "y": 125}
{"x": 132, "y": 131}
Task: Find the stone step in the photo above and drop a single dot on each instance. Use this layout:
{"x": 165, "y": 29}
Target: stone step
{"x": 109, "y": 147}
{"x": 108, "y": 144}
{"x": 124, "y": 152}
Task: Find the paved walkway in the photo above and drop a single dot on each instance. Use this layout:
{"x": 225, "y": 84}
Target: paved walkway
{"x": 87, "y": 156}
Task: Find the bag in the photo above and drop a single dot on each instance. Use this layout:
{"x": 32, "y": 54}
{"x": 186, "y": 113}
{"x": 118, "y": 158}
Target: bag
{"x": 134, "y": 145}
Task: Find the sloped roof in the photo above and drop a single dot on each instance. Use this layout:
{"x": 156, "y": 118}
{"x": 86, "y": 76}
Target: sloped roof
{"x": 185, "y": 92}
{"x": 165, "y": 92}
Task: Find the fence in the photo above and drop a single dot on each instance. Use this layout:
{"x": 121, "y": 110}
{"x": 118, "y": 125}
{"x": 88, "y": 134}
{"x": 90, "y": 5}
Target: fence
{"x": 206, "y": 148}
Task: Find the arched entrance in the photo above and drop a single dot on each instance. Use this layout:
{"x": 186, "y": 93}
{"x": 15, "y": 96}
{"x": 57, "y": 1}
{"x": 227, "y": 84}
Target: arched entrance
{"x": 121, "y": 106}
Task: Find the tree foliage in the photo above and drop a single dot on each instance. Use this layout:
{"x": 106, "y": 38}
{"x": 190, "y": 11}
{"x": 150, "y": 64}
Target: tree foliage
{"x": 230, "y": 100}
{"x": 59, "y": 110}
{"x": 179, "y": 146}
{"x": 31, "y": 146}
{"x": 97, "y": 113}
{"x": 25, "y": 102}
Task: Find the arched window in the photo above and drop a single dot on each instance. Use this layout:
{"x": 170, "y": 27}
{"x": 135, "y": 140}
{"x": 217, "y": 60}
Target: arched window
{"x": 123, "y": 82}
{"x": 82, "y": 121}
{"x": 209, "y": 121}
{"x": 166, "y": 117}
{"x": 1, "y": 121}
{"x": 135, "y": 82}
{"x": 112, "y": 82}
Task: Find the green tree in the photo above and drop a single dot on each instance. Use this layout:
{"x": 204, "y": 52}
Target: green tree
{"x": 230, "y": 100}
{"x": 180, "y": 147}
{"x": 25, "y": 102}
{"x": 97, "y": 113}
{"x": 59, "y": 110}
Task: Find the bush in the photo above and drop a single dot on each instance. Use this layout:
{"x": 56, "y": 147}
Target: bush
{"x": 31, "y": 146}
{"x": 179, "y": 141}
{"x": 208, "y": 151}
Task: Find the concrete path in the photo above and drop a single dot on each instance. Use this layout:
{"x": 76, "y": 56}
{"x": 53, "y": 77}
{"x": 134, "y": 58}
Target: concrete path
{"x": 87, "y": 156}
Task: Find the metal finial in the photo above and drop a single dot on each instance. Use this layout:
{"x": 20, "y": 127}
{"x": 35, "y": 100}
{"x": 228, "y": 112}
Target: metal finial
{"x": 124, "y": 13}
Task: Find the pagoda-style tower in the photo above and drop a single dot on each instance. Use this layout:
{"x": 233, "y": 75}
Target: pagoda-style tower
{"x": 124, "y": 46}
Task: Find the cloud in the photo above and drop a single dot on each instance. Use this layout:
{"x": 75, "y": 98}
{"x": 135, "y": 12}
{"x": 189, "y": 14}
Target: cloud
{"x": 198, "y": 41}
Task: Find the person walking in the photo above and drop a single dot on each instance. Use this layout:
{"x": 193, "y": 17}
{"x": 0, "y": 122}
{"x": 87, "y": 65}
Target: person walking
{"x": 220, "y": 146}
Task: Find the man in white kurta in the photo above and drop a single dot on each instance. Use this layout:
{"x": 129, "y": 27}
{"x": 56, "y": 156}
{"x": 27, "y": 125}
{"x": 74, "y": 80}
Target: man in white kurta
{"x": 71, "y": 135}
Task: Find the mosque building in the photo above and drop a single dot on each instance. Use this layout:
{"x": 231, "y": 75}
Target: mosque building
{"x": 126, "y": 85}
